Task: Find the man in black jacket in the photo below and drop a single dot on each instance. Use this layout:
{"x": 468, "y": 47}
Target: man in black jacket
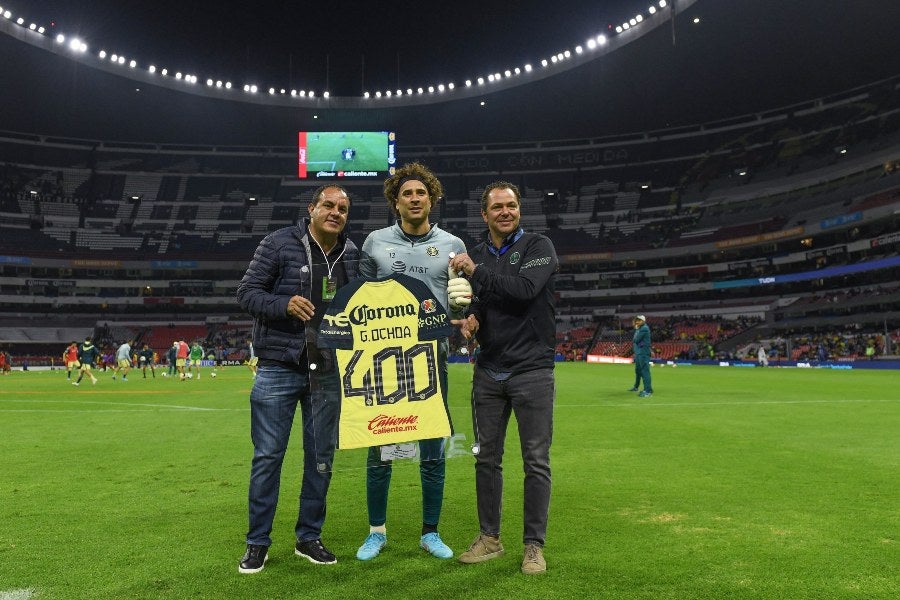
{"x": 513, "y": 317}
{"x": 294, "y": 274}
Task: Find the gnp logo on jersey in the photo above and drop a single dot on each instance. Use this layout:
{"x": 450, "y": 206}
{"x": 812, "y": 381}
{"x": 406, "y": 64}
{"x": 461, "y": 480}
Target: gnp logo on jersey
{"x": 431, "y": 251}
{"x": 514, "y": 258}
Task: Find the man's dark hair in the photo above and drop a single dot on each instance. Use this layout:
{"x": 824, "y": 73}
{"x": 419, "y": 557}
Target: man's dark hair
{"x": 499, "y": 185}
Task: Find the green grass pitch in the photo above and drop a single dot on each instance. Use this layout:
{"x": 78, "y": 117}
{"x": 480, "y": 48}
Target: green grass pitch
{"x": 324, "y": 153}
{"x": 727, "y": 483}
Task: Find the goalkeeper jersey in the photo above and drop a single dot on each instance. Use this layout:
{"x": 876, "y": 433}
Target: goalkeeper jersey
{"x": 385, "y": 334}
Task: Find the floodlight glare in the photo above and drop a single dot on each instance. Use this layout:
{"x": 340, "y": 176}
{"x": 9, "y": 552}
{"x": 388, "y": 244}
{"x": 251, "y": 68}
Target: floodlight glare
{"x": 218, "y": 83}
{"x": 121, "y": 60}
{"x": 102, "y": 54}
{"x": 311, "y": 94}
{"x": 271, "y": 91}
{"x": 409, "y": 91}
{"x": 639, "y": 18}
{"x": 554, "y": 59}
{"x": 132, "y": 64}
{"x": 652, "y": 10}
{"x": 41, "y": 29}
{"x": 420, "y": 91}
{"x": 365, "y": 94}
{"x": 481, "y": 81}
{"x": 326, "y": 94}
{"x": 178, "y": 75}
{"x": 165, "y": 71}
{"x": 7, "y": 14}
{"x": 32, "y": 27}
{"x": 508, "y": 73}
{"x": 528, "y": 68}
{"x": 440, "y": 87}
{"x": 20, "y": 21}
{"x": 430, "y": 89}
{"x": 662, "y": 3}
{"x": 227, "y": 85}
{"x": 209, "y": 82}
{"x": 601, "y": 39}
{"x": 591, "y": 44}
{"x": 544, "y": 62}
{"x": 378, "y": 94}
{"x": 388, "y": 93}
{"x": 75, "y": 44}
{"x": 618, "y": 29}
{"x": 253, "y": 89}
{"x": 399, "y": 92}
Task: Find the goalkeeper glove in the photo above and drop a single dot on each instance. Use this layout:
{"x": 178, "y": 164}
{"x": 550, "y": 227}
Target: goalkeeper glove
{"x": 459, "y": 291}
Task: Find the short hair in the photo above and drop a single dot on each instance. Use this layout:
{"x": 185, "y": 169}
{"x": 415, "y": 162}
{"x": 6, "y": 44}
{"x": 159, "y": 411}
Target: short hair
{"x": 416, "y": 171}
{"x": 317, "y": 195}
{"x": 499, "y": 185}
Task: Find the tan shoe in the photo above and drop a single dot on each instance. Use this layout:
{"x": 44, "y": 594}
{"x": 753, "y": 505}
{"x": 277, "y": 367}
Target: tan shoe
{"x": 485, "y": 547}
{"x": 534, "y": 562}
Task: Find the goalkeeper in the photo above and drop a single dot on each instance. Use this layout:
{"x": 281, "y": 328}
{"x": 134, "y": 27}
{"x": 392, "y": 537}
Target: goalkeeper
{"x": 418, "y": 248}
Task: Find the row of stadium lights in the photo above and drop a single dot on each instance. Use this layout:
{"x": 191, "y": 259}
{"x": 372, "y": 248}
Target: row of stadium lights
{"x": 80, "y": 47}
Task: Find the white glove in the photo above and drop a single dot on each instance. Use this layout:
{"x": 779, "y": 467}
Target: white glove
{"x": 459, "y": 290}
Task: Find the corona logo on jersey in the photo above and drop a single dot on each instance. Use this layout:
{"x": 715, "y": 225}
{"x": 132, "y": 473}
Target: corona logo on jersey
{"x": 385, "y": 334}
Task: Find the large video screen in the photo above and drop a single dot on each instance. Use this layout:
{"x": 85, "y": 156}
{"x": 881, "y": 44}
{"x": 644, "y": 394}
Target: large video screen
{"x": 345, "y": 154}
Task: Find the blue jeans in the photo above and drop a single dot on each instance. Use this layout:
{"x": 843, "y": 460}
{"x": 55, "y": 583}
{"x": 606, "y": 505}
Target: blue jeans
{"x": 273, "y": 402}
{"x": 530, "y": 396}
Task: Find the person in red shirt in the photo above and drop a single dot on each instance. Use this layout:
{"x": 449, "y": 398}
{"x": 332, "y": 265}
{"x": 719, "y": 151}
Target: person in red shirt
{"x": 181, "y": 358}
{"x": 70, "y": 359}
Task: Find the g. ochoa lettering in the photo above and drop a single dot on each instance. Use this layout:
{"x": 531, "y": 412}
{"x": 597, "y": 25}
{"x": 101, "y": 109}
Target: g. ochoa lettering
{"x": 384, "y": 333}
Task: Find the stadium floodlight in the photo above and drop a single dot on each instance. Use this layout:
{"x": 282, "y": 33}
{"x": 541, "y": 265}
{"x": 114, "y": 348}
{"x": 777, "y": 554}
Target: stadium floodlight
{"x": 517, "y": 71}
{"x": 430, "y": 89}
{"x": 639, "y": 18}
{"x": 209, "y": 83}
{"x": 618, "y": 29}
{"x": 326, "y": 94}
{"x": 491, "y": 78}
{"x": 420, "y": 91}
{"x": 388, "y": 93}
{"x": 102, "y": 55}
{"x": 253, "y": 89}
{"x": 554, "y": 59}
{"x": 378, "y": 94}
{"x": 218, "y": 83}
{"x": 451, "y": 86}
{"x": 662, "y": 3}
{"x": 271, "y": 91}
{"x": 626, "y": 26}
{"x": 282, "y": 91}
{"x": 601, "y": 39}
{"x": 227, "y": 85}
{"x": 132, "y": 64}
{"x": 7, "y": 14}
{"x": 75, "y": 44}
{"x": 311, "y": 94}
{"x": 409, "y": 91}
{"x": 32, "y": 27}
{"x": 652, "y": 10}
{"x": 528, "y": 68}
{"x": 544, "y": 62}
{"x": 481, "y": 81}
{"x": 365, "y": 94}
{"x": 507, "y": 73}
{"x": 496, "y": 76}
{"x": 178, "y": 75}
{"x": 121, "y": 60}
{"x": 567, "y": 54}
{"x": 441, "y": 87}
{"x": 20, "y": 21}
{"x": 632, "y": 22}
{"x": 303, "y": 93}
{"x": 165, "y": 72}
{"x": 114, "y": 58}
{"x": 399, "y": 92}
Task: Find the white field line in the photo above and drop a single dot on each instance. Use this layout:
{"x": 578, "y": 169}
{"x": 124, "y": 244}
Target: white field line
{"x": 21, "y": 594}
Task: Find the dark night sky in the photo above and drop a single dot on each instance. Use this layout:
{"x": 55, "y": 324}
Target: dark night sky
{"x": 744, "y": 56}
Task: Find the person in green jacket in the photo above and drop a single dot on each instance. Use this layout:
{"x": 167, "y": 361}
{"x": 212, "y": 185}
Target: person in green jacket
{"x": 641, "y": 344}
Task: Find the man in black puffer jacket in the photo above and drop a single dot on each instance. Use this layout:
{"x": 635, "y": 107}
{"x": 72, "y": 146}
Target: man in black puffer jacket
{"x": 294, "y": 274}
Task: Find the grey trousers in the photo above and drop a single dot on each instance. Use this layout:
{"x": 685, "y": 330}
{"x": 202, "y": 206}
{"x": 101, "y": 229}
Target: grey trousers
{"x": 530, "y": 397}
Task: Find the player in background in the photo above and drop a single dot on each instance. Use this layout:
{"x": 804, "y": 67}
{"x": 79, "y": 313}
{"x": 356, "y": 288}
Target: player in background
{"x": 70, "y": 359}
{"x": 146, "y": 359}
{"x": 171, "y": 356}
{"x": 123, "y": 360}
{"x": 181, "y": 358}
{"x": 422, "y": 250}
{"x": 87, "y": 356}
{"x": 642, "y": 351}
{"x": 196, "y": 357}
